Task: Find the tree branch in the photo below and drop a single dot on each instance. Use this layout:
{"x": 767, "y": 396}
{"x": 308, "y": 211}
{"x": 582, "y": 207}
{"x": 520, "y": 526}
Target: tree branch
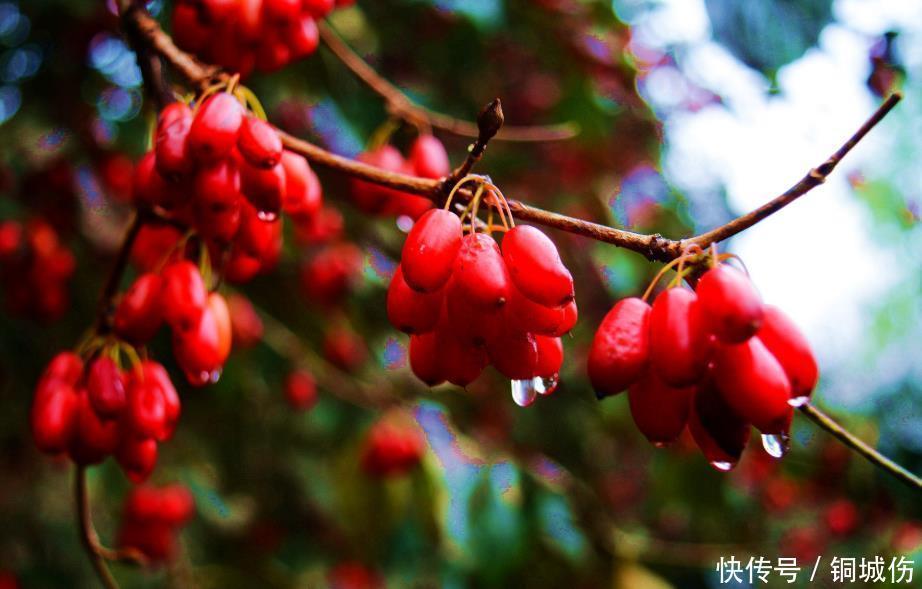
{"x": 811, "y": 180}
{"x": 87, "y": 534}
{"x": 400, "y": 106}
{"x": 849, "y": 439}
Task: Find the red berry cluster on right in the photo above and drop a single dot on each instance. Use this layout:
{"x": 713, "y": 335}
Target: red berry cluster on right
{"x": 391, "y": 448}
{"x": 243, "y": 35}
{"x": 152, "y": 518}
{"x": 466, "y": 303}
{"x": 35, "y": 268}
{"x": 714, "y": 359}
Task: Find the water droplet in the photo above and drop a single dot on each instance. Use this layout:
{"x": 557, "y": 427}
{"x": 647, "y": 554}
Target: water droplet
{"x": 267, "y": 216}
{"x": 796, "y": 402}
{"x": 524, "y": 392}
{"x": 215, "y": 376}
{"x": 545, "y": 385}
{"x": 405, "y": 223}
{"x": 723, "y": 466}
{"x": 660, "y": 444}
{"x": 776, "y": 445}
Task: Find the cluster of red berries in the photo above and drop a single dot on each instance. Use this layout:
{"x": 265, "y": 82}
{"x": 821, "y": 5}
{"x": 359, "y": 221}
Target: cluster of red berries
{"x": 225, "y": 173}
{"x": 200, "y": 320}
{"x": 35, "y": 268}
{"x": 243, "y": 35}
{"x": 466, "y": 303}
{"x": 391, "y": 448}
{"x": 427, "y": 159}
{"x": 152, "y": 518}
{"x": 715, "y": 359}
{"x": 96, "y": 410}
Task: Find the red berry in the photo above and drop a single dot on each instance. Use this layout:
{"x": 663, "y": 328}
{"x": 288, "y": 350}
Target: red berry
{"x": 514, "y": 354}
{"x": 719, "y": 432}
{"x": 535, "y": 266}
{"x": 93, "y": 438}
{"x": 54, "y": 415}
{"x": 217, "y": 202}
{"x": 106, "y": 387}
{"x": 461, "y": 363}
{"x": 792, "y": 350}
{"x": 332, "y": 273}
{"x": 153, "y": 244}
{"x": 570, "y": 315}
{"x": 343, "y": 348}
{"x": 300, "y": 390}
{"x": 318, "y": 8}
{"x": 428, "y": 158}
{"x": 176, "y": 504}
{"x": 425, "y": 358}
{"x": 202, "y": 350}
{"x": 215, "y": 128}
{"x": 372, "y": 198}
{"x": 550, "y": 356}
{"x": 259, "y": 143}
{"x": 480, "y": 274}
{"x": 172, "y": 154}
{"x": 146, "y": 412}
{"x": 137, "y": 457}
{"x": 183, "y": 296}
{"x": 302, "y": 36}
{"x": 265, "y": 189}
{"x": 620, "y": 348}
{"x": 523, "y": 314}
{"x": 842, "y": 517}
{"x": 391, "y": 449}
{"x": 282, "y": 9}
{"x": 139, "y": 314}
{"x": 303, "y": 195}
{"x": 680, "y": 347}
{"x": 151, "y": 189}
{"x": 730, "y": 304}
{"x": 660, "y": 411}
{"x": 411, "y": 311}
{"x": 246, "y": 325}
{"x": 430, "y": 250}
{"x": 754, "y": 384}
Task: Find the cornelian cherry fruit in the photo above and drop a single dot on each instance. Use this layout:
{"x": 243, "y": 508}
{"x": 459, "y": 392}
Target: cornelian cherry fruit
{"x": 535, "y": 266}
{"x": 679, "y": 344}
{"x": 730, "y": 304}
{"x": 620, "y": 348}
{"x": 792, "y": 350}
{"x": 430, "y": 250}
{"x": 660, "y": 411}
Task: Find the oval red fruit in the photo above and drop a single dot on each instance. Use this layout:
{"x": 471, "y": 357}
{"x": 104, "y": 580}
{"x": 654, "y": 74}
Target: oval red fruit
{"x": 680, "y": 347}
{"x": 183, "y": 295}
{"x": 429, "y": 158}
{"x": 215, "y": 127}
{"x": 730, "y": 304}
{"x": 514, "y": 354}
{"x": 754, "y": 384}
{"x": 424, "y": 358}
{"x": 171, "y": 148}
{"x": 660, "y": 411}
{"x": 480, "y": 273}
{"x": 300, "y": 390}
{"x": 137, "y": 457}
{"x": 106, "y": 387}
{"x": 430, "y": 250}
{"x": 93, "y": 439}
{"x": 717, "y": 430}
{"x": 535, "y": 266}
{"x": 53, "y": 415}
{"x": 411, "y": 311}
{"x": 550, "y": 356}
{"x": 620, "y": 348}
{"x": 139, "y": 314}
{"x": 792, "y": 350}
{"x": 146, "y": 410}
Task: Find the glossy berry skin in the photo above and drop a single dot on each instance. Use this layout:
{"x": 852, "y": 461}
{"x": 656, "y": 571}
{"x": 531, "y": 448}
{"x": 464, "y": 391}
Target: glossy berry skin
{"x": 303, "y": 193}
{"x": 300, "y": 390}
{"x": 93, "y": 438}
{"x": 146, "y": 412}
{"x": 660, "y": 411}
{"x": 264, "y": 188}
{"x": 105, "y": 387}
{"x": 411, "y": 311}
{"x": 460, "y": 362}
{"x": 523, "y": 314}
{"x": 620, "y": 348}
{"x": 550, "y": 356}
{"x": 139, "y": 314}
{"x": 514, "y": 354}
{"x": 754, "y": 384}
{"x": 535, "y": 266}
{"x": 215, "y": 127}
{"x": 792, "y": 350}
{"x": 200, "y": 350}
{"x": 151, "y": 189}
{"x": 680, "y": 347}
{"x": 54, "y": 415}
{"x": 183, "y": 295}
{"x": 570, "y": 316}
{"x": 429, "y": 158}
{"x": 730, "y": 304}
{"x": 425, "y": 359}
{"x": 479, "y": 273}
{"x": 137, "y": 457}
{"x": 430, "y": 250}
{"x": 259, "y": 143}
{"x": 171, "y": 146}
{"x": 719, "y": 432}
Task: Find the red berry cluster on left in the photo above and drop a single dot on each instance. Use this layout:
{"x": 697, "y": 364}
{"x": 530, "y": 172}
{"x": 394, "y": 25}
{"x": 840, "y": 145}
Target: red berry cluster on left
{"x": 94, "y": 410}
{"x": 243, "y": 35}
{"x": 467, "y": 303}
{"x": 35, "y": 268}
{"x": 152, "y": 518}
{"x": 714, "y": 359}
{"x": 391, "y": 448}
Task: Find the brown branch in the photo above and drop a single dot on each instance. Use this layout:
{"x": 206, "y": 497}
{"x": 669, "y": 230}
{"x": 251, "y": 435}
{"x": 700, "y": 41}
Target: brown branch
{"x": 489, "y": 122}
{"x": 87, "y": 534}
{"x": 811, "y": 180}
{"x": 400, "y": 106}
{"x": 849, "y": 439}
{"x": 104, "y": 308}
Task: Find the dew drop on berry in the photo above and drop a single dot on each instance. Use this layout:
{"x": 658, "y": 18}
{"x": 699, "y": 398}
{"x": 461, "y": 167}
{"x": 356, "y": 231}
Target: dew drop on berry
{"x": 267, "y": 216}
{"x": 776, "y": 445}
{"x": 215, "y": 376}
{"x": 545, "y": 385}
{"x": 797, "y": 402}
{"x": 524, "y": 392}
{"x": 722, "y": 466}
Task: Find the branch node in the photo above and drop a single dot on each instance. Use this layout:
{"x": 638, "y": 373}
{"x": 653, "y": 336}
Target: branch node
{"x": 490, "y": 121}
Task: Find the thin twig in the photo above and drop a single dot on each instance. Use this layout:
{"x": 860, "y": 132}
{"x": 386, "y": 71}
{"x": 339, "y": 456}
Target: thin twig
{"x": 399, "y": 105}
{"x": 489, "y": 123}
{"x": 870, "y": 454}
{"x": 87, "y": 533}
{"x": 104, "y": 308}
{"x": 811, "y": 180}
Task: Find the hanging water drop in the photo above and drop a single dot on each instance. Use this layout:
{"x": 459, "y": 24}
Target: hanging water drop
{"x": 545, "y": 385}
{"x": 723, "y": 466}
{"x": 797, "y": 402}
{"x": 776, "y": 445}
{"x": 215, "y": 376}
{"x": 524, "y": 392}
{"x": 660, "y": 444}
{"x": 267, "y": 216}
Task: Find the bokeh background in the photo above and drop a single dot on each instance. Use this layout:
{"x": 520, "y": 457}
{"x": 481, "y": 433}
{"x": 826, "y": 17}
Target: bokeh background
{"x": 691, "y": 112}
